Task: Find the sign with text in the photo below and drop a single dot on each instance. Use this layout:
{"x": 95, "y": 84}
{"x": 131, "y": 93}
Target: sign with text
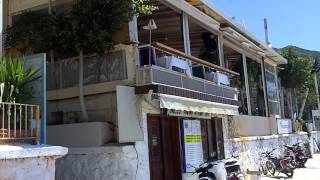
{"x": 192, "y": 140}
{"x": 284, "y": 126}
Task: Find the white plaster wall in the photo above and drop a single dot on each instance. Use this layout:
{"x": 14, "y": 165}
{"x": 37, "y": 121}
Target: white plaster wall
{"x": 28, "y": 169}
{"x": 27, "y": 162}
{"x": 254, "y": 126}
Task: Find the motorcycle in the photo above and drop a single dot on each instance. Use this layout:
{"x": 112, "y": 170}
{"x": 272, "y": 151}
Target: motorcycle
{"x": 280, "y": 165}
{"x": 297, "y": 155}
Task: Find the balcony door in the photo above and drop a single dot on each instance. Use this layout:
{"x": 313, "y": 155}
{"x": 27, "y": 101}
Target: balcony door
{"x": 164, "y": 148}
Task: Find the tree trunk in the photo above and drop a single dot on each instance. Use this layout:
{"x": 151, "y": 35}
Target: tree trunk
{"x": 289, "y": 102}
{"x": 290, "y": 106}
{"x": 317, "y": 89}
{"x": 51, "y": 56}
{"x": 50, "y": 12}
{"x": 296, "y": 106}
{"x": 306, "y": 92}
{"x": 81, "y": 95}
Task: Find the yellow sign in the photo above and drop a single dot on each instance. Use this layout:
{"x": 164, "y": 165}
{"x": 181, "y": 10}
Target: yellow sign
{"x": 192, "y": 139}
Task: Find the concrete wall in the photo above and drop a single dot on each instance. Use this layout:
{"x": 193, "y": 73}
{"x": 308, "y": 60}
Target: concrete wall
{"x": 25, "y": 162}
{"x": 100, "y": 107}
{"x": 254, "y": 126}
{"x": 112, "y": 162}
{"x": 79, "y": 134}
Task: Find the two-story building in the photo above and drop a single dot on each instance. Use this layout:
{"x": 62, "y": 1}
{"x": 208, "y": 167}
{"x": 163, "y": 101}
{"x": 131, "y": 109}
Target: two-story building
{"x": 181, "y": 86}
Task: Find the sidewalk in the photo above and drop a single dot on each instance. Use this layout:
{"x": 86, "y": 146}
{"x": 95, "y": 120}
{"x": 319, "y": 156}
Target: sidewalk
{"x": 312, "y": 172}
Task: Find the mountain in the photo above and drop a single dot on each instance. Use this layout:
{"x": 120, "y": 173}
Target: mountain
{"x": 303, "y": 52}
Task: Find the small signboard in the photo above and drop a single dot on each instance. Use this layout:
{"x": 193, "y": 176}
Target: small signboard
{"x": 192, "y": 140}
{"x": 284, "y": 126}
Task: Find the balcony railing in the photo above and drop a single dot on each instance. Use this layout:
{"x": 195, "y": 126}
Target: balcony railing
{"x": 19, "y": 123}
{"x": 152, "y": 73}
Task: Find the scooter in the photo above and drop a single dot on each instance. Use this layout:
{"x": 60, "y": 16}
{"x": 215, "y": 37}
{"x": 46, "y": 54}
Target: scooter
{"x": 233, "y": 169}
{"x": 204, "y": 172}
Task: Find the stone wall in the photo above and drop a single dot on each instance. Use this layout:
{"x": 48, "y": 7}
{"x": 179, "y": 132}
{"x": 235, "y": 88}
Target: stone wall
{"x": 112, "y": 163}
{"x": 315, "y": 141}
{"x": 26, "y": 162}
{"x": 249, "y": 149}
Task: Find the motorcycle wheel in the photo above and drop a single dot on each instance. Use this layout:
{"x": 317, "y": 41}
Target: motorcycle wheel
{"x": 271, "y": 167}
{"x": 263, "y": 170}
{"x": 303, "y": 163}
{"x": 289, "y": 173}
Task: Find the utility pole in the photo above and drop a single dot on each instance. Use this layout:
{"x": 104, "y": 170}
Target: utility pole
{"x": 266, "y": 33}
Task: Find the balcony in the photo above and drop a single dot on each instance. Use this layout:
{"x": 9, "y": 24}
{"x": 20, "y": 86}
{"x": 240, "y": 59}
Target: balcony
{"x": 155, "y": 73}
{"x": 19, "y": 123}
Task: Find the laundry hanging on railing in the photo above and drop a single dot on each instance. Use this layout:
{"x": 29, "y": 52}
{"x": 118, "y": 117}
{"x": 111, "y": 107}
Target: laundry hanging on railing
{"x": 173, "y": 63}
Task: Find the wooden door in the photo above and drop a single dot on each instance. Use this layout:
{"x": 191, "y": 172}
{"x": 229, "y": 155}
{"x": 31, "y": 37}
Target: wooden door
{"x": 164, "y": 148}
{"x": 218, "y": 135}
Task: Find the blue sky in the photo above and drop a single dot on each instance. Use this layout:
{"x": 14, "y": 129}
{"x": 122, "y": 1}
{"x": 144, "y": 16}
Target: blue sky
{"x": 291, "y": 22}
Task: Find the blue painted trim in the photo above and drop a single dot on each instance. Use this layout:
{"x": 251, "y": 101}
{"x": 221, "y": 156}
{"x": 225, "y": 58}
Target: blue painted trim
{"x": 43, "y": 96}
{"x": 43, "y": 93}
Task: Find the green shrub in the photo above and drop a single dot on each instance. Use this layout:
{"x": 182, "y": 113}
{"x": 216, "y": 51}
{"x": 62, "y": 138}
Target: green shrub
{"x": 16, "y": 80}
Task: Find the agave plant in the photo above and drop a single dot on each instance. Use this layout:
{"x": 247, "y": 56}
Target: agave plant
{"x": 15, "y": 80}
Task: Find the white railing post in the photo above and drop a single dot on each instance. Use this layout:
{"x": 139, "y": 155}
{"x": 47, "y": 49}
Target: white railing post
{"x": 15, "y": 121}
{"x": 3, "y": 111}
{"x": 31, "y": 120}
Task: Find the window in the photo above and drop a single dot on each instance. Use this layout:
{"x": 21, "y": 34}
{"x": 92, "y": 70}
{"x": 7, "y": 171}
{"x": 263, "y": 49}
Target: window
{"x": 256, "y": 91}
{"x": 272, "y": 90}
{"x": 234, "y": 62}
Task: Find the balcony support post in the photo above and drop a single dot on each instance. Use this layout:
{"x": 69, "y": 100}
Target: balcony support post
{"x": 264, "y": 83}
{"x": 220, "y": 50}
{"x": 245, "y": 71}
{"x": 134, "y": 38}
{"x": 186, "y": 33}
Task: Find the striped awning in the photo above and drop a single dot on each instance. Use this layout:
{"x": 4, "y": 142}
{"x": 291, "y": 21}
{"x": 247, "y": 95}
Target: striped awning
{"x": 186, "y": 107}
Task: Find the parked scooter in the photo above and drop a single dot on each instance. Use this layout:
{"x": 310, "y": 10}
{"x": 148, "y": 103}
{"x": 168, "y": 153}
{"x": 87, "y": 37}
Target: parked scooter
{"x": 220, "y": 170}
{"x": 233, "y": 169}
{"x": 204, "y": 172}
{"x": 297, "y": 155}
{"x": 280, "y": 165}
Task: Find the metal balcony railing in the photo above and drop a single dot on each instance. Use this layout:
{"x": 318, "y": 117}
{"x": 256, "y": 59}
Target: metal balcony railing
{"x": 155, "y": 74}
{"x": 19, "y": 123}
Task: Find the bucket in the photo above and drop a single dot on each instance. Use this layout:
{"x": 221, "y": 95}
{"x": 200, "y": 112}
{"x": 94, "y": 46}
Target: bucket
{"x": 253, "y": 175}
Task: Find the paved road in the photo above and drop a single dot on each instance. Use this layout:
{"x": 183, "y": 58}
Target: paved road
{"x": 311, "y": 172}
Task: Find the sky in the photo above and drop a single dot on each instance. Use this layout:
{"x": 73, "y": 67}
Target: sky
{"x": 291, "y": 22}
